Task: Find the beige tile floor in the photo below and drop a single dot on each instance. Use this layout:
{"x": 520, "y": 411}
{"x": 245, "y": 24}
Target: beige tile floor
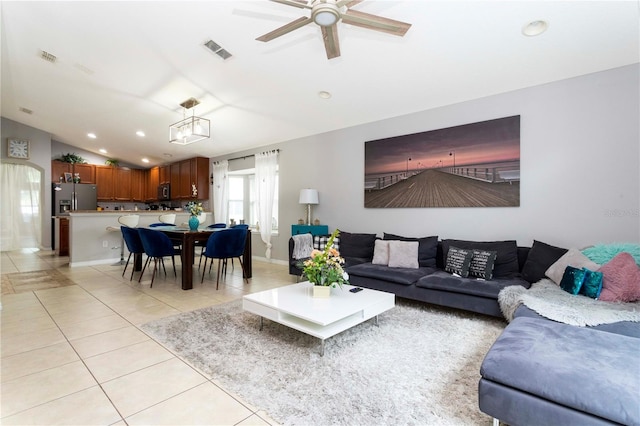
{"x": 76, "y": 356}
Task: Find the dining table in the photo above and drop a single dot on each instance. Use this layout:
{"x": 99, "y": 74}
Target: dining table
{"x": 188, "y": 240}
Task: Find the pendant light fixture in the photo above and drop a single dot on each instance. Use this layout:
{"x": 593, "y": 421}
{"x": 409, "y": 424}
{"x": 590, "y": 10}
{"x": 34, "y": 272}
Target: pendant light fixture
{"x": 189, "y": 129}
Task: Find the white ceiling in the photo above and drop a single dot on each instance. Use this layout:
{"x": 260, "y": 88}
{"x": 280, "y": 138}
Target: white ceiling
{"x": 126, "y": 66}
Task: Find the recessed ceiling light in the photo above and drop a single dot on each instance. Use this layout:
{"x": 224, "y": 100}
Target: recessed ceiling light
{"x": 92, "y": 135}
{"x": 324, "y": 94}
{"x": 140, "y": 133}
{"x": 145, "y": 160}
{"x": 102, "y": 150}
{"x": 535, "y": 28}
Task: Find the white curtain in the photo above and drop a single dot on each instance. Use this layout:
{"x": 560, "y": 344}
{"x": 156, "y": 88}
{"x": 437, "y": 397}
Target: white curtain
{"x": 20, "y": 209}
{"x": 220, "y": 192}
{"x": 266, "y": 170}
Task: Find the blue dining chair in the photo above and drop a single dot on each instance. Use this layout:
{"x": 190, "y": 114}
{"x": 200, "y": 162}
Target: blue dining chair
{"x": 222, "y": 245}
{"x": 134, "y": 245}
{"x": 157, "y": 246}
{"x": 203, "y": 244}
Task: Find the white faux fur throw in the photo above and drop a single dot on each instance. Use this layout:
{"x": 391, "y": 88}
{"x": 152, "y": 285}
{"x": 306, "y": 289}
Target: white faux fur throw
{"x": 550, "y": 301}
{"x": 302, "y": 246}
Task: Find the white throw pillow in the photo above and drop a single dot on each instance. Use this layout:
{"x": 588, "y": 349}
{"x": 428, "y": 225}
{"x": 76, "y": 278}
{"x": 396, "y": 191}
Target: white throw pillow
{"x": 573, "y": 257}
{"x": 403, "y": 254}
{"x": 381, "y": 253}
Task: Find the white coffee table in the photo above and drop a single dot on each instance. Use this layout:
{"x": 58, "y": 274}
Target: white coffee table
{"x": 295, "y": 307}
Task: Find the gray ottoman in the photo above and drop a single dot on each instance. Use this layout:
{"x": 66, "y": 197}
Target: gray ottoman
{"x": 543, "y": 372}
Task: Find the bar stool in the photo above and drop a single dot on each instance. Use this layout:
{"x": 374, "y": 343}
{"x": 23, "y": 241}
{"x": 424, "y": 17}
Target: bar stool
{"x": 130, "y": 221}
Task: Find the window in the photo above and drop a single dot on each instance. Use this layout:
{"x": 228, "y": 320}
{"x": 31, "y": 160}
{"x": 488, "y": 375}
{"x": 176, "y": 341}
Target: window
{"x": 242, "y": 198}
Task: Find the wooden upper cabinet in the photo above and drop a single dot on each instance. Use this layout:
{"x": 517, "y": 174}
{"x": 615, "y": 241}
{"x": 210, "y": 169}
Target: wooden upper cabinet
{"x": 87, "y": 172}
{"x": 104, "y": 183}
{"x": 200, "y": 177}
{"x": 138, "y": 185}
{"x": 165, "y": 174}
{"x": 185, "y": 180}
{"x": 122, "y": 184}
{"x": 153, "y": 181}
{"x": 58, "y": 169}
{"x": 175, "y": 181}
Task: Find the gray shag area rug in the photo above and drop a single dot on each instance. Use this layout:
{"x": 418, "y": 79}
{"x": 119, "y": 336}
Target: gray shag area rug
{"x": 420, "y": 366}
{"x": 549, "y": 300}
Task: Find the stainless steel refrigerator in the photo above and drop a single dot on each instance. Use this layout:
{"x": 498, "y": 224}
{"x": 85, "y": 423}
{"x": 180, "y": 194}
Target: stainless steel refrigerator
{"x": 73, "y": 196}
{"x": 67, "y": 197}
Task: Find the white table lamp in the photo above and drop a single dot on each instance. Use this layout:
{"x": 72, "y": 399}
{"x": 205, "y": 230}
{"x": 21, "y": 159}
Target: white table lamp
{"x": 308, "y": 197}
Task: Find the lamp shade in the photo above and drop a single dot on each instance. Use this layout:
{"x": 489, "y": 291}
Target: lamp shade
{"x": 308, "y": 196}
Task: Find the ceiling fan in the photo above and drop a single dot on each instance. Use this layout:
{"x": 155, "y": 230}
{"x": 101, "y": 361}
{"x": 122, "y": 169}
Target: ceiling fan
{"x": 327, "y": 14}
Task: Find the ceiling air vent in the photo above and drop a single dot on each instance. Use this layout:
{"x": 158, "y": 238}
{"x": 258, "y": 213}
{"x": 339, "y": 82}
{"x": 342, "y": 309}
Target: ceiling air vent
{"x": 48, "y": 57}
{"x": 217, "y": 49}
{"x": 25, "y": 110}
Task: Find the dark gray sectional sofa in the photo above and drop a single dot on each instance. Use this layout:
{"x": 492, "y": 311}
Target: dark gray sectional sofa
{"x": 429, "y": 282}
{"x": 538, "y": 372}
{"x": 541, "y": 372}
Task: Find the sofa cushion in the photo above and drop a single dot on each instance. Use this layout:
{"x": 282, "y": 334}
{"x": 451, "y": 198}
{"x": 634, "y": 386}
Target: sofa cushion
{"x": 458, "y": 261}
{"x": 403, "y": 254}
{"x": 540, "y": 257}
{"x": 381, "y": 253}
{"x": 506, "y": 264}
{"x": 580, "y": 371}
{"x": 482, "y": 264}
{"x": 357, "y": 245}
{"x": 427, "y": 251}
{"x": 572, "y": 257}
{"x": 405, "y": 276}
{"x": 621, "y": 279}
{"x": 443, "y": 281}
{"x": 320, "y": 242}
{"x": 592, "y": 284}
{"x": 572, "y": 280}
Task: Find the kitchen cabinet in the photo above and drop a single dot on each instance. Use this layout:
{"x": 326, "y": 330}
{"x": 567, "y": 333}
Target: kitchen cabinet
{"x": 87, "y": 172}
{"x": 175, "y": 181}
{"x": 138, "y": 185}
{"x": 165, "y": 174}
{"x": 104, "y": 183}
{"x": 122, "y": 184}
{"x": 153, "y": 180}
{"x": 58, "y": 169}
{"x": 200, "y": 177}
{"x": 63, "y": 237}
{"x": 185, "y": 180}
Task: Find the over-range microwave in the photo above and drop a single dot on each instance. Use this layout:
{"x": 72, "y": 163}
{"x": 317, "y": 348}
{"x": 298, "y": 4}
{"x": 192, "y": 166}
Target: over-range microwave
{"x": 164, "y": 191}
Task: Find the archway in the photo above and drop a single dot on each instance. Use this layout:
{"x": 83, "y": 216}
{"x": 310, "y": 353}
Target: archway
{"x": 21, "y": 207}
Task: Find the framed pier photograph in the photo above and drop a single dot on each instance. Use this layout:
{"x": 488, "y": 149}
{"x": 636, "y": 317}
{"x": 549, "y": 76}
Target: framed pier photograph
{"x": 472, "y": 165}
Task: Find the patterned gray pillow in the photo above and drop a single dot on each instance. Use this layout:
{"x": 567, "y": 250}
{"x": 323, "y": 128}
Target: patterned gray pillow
{"x": 458, "y": 261}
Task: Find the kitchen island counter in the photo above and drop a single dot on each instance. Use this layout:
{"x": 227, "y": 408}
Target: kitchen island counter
{"x": 90, "y": 243}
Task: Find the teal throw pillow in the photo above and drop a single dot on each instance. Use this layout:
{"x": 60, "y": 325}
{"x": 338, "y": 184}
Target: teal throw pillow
{"x": 592, "y": 283}
{"x": 572, "y": 279}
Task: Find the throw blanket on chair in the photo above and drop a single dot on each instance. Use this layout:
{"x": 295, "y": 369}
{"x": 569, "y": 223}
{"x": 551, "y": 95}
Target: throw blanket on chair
{"x": 550, "y": 301}
{"x": 302, "y": 246}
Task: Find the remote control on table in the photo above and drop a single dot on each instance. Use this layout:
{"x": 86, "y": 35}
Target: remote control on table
{"x": 355, "y": 289}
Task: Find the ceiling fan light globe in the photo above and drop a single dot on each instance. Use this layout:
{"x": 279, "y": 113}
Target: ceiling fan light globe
{"x": 325, "y": 14}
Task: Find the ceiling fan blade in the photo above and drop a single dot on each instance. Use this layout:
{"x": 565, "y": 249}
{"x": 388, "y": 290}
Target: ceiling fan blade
{"x": 294, "y": 25}
{"x": 374, "y": 22}
{"x": 295, "y": 3}
{"x": 331, "y": 42}
{"x": 348, "y": 3}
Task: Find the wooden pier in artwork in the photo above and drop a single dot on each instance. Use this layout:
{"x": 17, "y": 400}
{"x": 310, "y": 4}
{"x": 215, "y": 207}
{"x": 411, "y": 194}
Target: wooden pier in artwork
{"x": 435, "y": 188}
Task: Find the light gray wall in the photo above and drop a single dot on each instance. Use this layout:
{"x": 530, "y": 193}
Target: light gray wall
{"x": 40, "y": 158}
{"x": 580, "y": 169}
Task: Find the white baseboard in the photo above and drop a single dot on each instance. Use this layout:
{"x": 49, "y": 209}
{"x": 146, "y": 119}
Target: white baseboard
{"x": 94, "y": 262}
{"x": 264, "y": 259}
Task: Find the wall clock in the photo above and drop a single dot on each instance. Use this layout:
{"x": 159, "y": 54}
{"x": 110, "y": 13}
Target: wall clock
{"x": 18, "y": 148}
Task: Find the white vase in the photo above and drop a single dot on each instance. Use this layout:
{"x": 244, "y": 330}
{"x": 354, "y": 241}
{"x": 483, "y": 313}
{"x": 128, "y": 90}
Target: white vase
{"x": 321, "y": 291}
